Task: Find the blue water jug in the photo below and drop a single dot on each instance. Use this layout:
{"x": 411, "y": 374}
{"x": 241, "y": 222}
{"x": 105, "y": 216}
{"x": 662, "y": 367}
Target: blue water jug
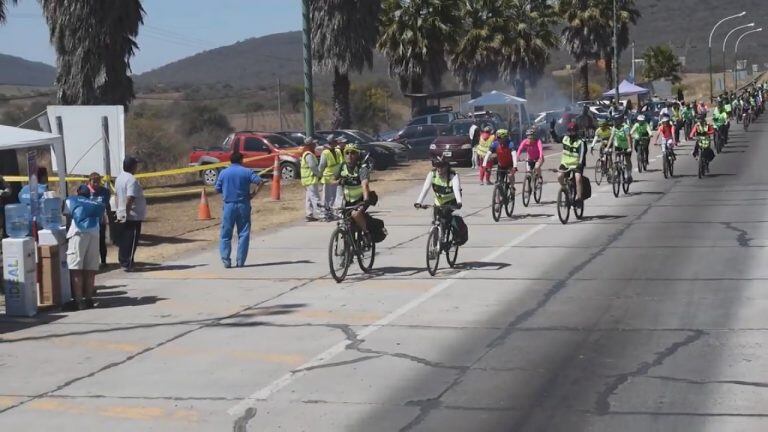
{"x": 51, "y": 213}
{"x": 17, "y": 223}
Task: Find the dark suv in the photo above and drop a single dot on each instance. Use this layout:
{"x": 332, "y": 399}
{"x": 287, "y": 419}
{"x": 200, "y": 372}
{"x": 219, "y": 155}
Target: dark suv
{"x": 454, "y": 143}
{"x": 419, "y": 137}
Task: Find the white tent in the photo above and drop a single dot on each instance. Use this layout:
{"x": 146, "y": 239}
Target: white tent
{"x": 497, "y": 98}
{"x": 13, "y": 138}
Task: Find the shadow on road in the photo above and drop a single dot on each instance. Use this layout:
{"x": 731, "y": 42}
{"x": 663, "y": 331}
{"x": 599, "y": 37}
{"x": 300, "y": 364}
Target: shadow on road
{"x": 600, "y": 217}
{"x": 150, "y": 240}
{"x": 279, "y": 263}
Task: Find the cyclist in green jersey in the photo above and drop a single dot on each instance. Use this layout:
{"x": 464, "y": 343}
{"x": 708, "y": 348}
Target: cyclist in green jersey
{"x": 353, "y": 176}
{"x": 641, "y": 134}
{"x": 621, "y": 143}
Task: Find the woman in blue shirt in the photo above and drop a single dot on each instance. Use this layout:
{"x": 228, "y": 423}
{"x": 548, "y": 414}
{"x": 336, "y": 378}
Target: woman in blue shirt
{"x": 101, "y": 194}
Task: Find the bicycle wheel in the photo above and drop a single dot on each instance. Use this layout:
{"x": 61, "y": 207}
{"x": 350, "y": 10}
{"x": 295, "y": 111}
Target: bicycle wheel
{"x": 665, "y": 165}
{"x": 671, "y": 166}
{"x": 338, "y": 254}
{"x": 366, "y": 251}
{"x": 497, "y": 202}
{"x": 616, "y": 180}
{"x": 563, "y": 206}
{"x": 527, "y": 192}
{"x": 538, "y": 186}
{"x": 701, "y": 164}
{"x": 433, "y": 250}
{"x": 624, "y": 183}
{"x": 578, "y": 210}
{"x": 645, "y": 157}
{"x": 451, "y": 249}
{"x": 598, "y": 172}
{"x": 509, "y": 202}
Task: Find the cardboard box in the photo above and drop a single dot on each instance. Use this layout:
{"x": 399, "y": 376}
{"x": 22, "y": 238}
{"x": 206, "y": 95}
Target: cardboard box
{"x": 50, "y": 289}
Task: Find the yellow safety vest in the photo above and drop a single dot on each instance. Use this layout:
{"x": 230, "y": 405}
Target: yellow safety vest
{"x": 571, "y": 156}
{"x": 603, "y": 135}
{"x": 701, "y": 133}
{"x": 308, "y": 178}
{"x": 332, "y": 158}
{"x": 483, "y": 146}
{"x": 443, "y": 189}
{"x": 352, "y": 184}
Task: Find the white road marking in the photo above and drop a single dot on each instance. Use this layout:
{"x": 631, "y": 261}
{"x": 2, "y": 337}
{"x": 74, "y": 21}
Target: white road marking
{"x": 264, "y": 393}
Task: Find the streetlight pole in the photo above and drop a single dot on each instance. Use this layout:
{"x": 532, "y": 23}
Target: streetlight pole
{"x": 712, "y": 33}
{"x": 616, "y": 54}
{"x": 736, "y": 52}
{"x": 726, "y": 41}
{"x": 309, "y": 108}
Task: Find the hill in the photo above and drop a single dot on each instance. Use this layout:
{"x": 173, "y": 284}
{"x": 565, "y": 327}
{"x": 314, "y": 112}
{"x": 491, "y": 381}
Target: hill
{"x": 17, "y": 71}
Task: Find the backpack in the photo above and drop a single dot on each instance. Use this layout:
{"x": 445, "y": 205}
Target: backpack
{"x": 460, "y": 229}
{"x": 377, "y": 229}
{"x": 586, "y": 187}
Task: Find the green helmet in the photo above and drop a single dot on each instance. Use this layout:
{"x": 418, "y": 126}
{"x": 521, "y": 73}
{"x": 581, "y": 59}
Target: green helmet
{"x": 351, "y": 148}
{"x": 502, "y": 133}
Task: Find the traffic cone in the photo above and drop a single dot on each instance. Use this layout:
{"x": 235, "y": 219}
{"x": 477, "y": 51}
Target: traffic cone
{"x": 203, "y": 209}
{"x": 275, "y": 195}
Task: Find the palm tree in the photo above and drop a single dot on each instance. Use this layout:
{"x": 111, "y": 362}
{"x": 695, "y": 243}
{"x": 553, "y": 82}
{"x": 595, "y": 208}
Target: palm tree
{"x": 476, "y": 56}
{"x": 529, "y": 39}
{"x": 343, "y": 39}
{"x": 2, "y": 9}
{"x": 416, "y": 36}
{"x": 627, "y": 14}
{"x": 94, "y": 41}
{"x": 582, "y": 32}
{"x": 661, "y": 62}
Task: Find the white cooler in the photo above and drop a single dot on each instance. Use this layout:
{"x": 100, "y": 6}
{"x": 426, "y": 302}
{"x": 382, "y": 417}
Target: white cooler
{"x": 58, "y": 237}
{"x": 20, "y": 276}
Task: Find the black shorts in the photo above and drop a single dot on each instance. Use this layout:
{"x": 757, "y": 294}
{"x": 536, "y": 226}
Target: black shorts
{"x": 579, "y": 169}
{"x": 531, "y": 165}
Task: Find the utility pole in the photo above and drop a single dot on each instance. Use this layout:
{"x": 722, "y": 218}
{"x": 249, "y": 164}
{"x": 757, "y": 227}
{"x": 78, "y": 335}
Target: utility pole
{"x": 309, "y": 108}
{"x": 634, "y": 79}
{"x": 616, "y": 53}
{"x": 279, "y": 104}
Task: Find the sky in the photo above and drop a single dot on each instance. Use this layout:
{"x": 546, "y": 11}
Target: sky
{"x": 172, "y": 30}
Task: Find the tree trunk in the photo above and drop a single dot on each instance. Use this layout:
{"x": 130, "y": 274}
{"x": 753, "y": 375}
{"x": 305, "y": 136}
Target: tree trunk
{"x": 474, "y": 92}
{"x": 609, "y": 70}
{"x": 341, "y": 109}
{"x": 584, "y": 71}
{"x": 417, "y": 86}
{"x": 520, "y": 88}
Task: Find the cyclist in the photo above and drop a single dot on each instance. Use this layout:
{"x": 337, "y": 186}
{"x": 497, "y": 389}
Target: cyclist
{"x": 504, "y": 151}
{"x": 621, "y": 143}
{"x": 573, "y": 159}
{"x": 533, "y": 147}
{"x": 720, "y": 119}
{"x": 603, "y": 136}
{"x": 688, "y": 119}
{"x": 353, "y": 177}
{"x": 666, "y": 133}
{"x": 445, "y": 184}
{"x": 641, "y": 134}
{"x": 483, "y": 145}
{"x": 703, "y": 132}
{"x": 677, "y": 120}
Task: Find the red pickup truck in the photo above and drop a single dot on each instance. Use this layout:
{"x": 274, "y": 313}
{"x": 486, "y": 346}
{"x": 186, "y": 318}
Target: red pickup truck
{"x": 250, "y": 144}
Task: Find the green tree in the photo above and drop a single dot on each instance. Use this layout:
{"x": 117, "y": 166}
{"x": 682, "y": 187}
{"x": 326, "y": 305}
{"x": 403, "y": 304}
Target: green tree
{"x": 94, "y": 41}
{"x": 343, "y": 39}
{"x": 581, "y": 34}
{"x": 369, "y": 107}
{"x": 199, "y": 118}
{"x": 627, "y": 15}
{"x": 416, "y": 37}
{"x": 661, "y": 62}
{"x": 3, "y": 6}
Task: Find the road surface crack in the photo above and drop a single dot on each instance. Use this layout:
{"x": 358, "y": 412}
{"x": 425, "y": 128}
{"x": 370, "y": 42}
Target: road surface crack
{"x": 742, "y": 238}
{"x": 707, "y": 382}
{"x": 603, "y": 404}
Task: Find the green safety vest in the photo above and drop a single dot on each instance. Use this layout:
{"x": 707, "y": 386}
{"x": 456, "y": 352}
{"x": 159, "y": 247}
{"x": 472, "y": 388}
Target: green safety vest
{"x": 641, "y": 130}
{"x": 603, "y": 134}
{"x": 728, "y": 108}
{"x": 701, "y": 133}
{"x": 676, "y": 114}
{"x": 620, "y": 137}
{"x": 352, "y": 184}
{"x": 688, "y": 114}
{"x": 719, "y": 118}
{"x": 571, "y": 156}
{"x": 483, "y": 146}
{"x": 308, "y": 178}
{"x": 442, "y": 189}
{"x": 333, "y": 158}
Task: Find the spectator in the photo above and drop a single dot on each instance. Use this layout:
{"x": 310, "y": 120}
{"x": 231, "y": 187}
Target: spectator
{"x": 330, "y": 159}
{"x": 101, "y": 194}
{"x": 83, "y": 248}
{"x": 310, "y": 179}
{"x": 5, "y": 193}
{"x": 131, "y": 211}
{"x": 234, "y": 183}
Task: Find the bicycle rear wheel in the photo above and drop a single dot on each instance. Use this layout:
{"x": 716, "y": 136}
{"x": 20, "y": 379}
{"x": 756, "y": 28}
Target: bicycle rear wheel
{"x": 497, "y": 202}
{"x": 509, "y": 203}
{"x": 433, "y": 250}
{"x": 563, "y": 206}
{"x": 366, "y": 251}
{"x": 339, "y": 254}
{"x": 527, "y": 190}
{"x": 538, "y": 186}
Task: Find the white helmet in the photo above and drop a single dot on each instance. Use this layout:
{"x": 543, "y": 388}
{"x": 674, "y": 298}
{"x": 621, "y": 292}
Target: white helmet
{"x": 641, "y": 118}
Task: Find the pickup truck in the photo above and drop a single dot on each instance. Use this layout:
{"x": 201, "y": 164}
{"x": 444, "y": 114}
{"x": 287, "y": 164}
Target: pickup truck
{"x": 251, "y": 144}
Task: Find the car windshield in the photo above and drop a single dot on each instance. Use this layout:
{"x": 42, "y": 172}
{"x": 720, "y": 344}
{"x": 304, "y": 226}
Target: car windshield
{"x": 280, "y": 141}
{"x": 364, "y": 135}
{"x": 456, "y": 129}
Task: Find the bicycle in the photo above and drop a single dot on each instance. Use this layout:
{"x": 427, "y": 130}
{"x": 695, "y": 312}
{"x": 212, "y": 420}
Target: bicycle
{"x": 566, "y": 199}
{"x": 441, "y": 238}
{"x": 642, "y": 153}
{"x": 532, "y": 185}
{"x": 603, "y": 165}
{"x": 668, "y": 162}
{"x": 349, "y": 242}
{"x": 619, "y": 173}
{"x": 704, "y": 143}
{"x": 503, "y": 195}
{"x": 746, "y": 117}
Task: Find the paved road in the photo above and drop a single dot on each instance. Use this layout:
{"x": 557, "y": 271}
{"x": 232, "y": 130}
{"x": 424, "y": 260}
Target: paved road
{"x": 650, "y": 315}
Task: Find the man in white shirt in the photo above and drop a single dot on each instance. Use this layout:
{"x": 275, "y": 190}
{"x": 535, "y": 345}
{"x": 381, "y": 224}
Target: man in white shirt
{"x": 131, "y": 211}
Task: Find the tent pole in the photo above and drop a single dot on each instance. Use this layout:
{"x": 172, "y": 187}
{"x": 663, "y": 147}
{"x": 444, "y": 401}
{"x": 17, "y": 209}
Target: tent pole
{"x": 61, "y": 159}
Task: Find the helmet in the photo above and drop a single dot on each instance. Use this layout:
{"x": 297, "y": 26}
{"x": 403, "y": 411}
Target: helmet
{"x": 487, "y": 129}
{"x": 664, "y": 118}
{"x": 351, "y": 148}
{"x": 603, "y": 122}
{"x": 641, "y": 118}
{"x": 573, "y": 128}
{"x": 531, "y": 132}
{"x": 439, "y": 162}
{"x": 502, "y": 133}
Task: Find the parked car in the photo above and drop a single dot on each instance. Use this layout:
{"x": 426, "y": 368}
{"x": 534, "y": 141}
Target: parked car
{"x": 574, "y": 113}
{"x": 299, "y": 137}
{"x": 381, "y": 155}
{"x": 652, "y": 111}
{"x": 454, "y": 143}
{"x": 250, "y": 144}
{"x": 419, "y": 137}
{"x": 543, "y": 121}
{"x": 387, "y": 135}
{"x": 436, "y": 118}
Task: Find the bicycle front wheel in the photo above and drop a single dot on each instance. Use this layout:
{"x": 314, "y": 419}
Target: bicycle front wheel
{"x": 598, "y": 172}
{"x": 624, "y": 182}
{"x": 527, "y": 192}
{"x": 616, "y": 180}
{"x": 538, "y": 185}
{"x": 339, "y": 254}
{"x": 701, "y": 164}
{"x": 578, "y": 209}
{"x": 451, "y": 248}
{"x": 433, "y": 250}
{"x": 497, "y": 202}
{"x": 563, "y": 206}
{"x": 366, "y": 251}
{"x": 509, "y": 202}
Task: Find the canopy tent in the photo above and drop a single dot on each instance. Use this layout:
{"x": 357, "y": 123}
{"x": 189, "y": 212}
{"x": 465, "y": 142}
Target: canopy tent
{"x": 13, "y": 138}
{"x": 626, "y": 88}
{"x": 497, "y": 98}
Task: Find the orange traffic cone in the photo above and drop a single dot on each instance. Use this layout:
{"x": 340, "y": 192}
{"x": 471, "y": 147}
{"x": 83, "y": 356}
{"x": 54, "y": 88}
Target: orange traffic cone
{"x": 275, "y": 195}
{"x": 203, "y": 209}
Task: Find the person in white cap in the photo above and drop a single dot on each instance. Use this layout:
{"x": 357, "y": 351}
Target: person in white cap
{"x": 310, "y": 179}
